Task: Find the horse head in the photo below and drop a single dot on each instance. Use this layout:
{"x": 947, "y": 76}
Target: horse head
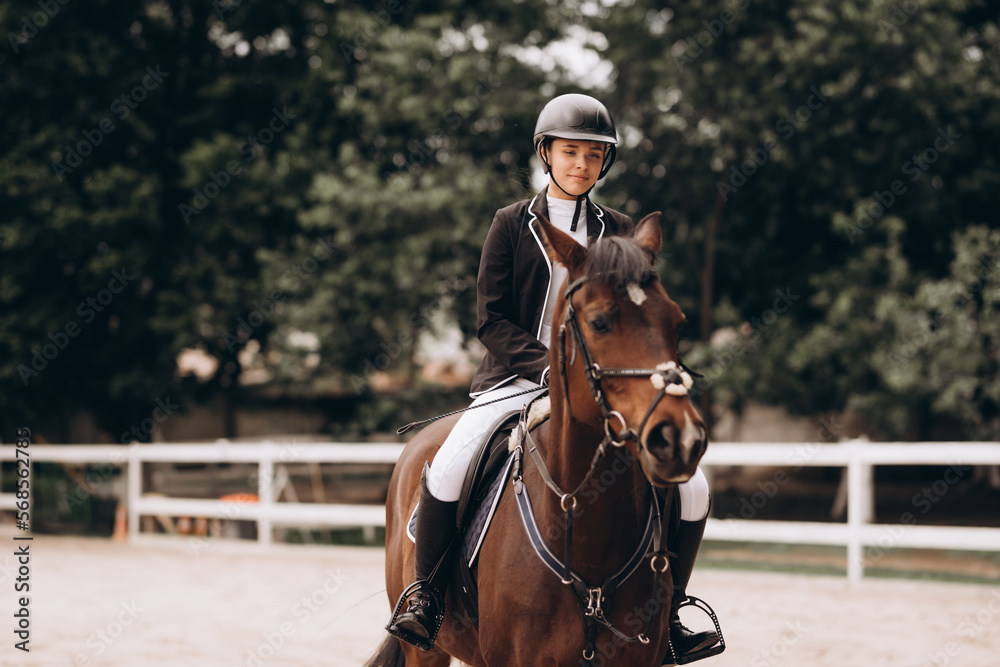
{"x": 614, "y": 359}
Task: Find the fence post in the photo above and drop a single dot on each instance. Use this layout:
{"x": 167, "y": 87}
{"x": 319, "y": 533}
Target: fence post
{"x": 265, "y": 477}
{"x": 133, "y": 490}
{"x": 858, "y": 500}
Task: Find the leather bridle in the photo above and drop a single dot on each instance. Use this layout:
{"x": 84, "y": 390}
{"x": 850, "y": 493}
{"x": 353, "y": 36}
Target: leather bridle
{"x": 673, "y": 377}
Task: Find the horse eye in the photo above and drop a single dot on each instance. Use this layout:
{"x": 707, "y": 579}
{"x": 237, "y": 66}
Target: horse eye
{"x": 599, "y": 324}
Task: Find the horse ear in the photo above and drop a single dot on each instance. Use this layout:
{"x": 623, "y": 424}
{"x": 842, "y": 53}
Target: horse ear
{"x": 559, "y": 246}
{"x": 649, "y": 236}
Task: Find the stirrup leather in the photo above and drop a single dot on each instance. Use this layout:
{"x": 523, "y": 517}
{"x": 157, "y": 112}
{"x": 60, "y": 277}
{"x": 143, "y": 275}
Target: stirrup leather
{"x": 692, "y": 601}
{"x": 425, "y": 644}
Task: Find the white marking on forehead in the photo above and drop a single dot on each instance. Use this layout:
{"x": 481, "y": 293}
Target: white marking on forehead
{"x": 636, "y": 294}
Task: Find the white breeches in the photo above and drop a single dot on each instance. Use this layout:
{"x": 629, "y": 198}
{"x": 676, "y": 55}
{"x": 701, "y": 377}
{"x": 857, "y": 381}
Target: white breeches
{"x": 694, "y": 498}
{"x": 447, "y": 473}
{"x": 448, "y": 469}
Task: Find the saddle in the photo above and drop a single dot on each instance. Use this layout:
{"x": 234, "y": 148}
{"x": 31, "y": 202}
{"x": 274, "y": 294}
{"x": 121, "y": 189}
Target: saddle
{"x": 491, "y": 454}
{"x": 486, "y": 463}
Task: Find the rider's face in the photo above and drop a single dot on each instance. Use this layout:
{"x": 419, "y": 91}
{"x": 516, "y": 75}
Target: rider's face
{"x": 575, "y": 165}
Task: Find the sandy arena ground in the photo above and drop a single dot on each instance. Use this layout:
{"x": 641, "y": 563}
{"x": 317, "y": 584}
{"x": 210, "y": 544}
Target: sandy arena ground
{"x": 184, "y": 602}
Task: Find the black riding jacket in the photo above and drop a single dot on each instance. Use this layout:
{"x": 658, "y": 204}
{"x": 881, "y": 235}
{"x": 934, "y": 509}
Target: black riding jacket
{"x": 513, "y": 284}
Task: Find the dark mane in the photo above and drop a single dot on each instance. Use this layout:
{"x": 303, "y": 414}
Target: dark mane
{"x": 618, "y": 260}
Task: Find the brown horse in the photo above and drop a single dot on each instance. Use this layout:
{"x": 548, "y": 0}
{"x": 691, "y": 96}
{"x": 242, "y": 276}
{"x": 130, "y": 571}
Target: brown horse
{"x": 619, "y": 385}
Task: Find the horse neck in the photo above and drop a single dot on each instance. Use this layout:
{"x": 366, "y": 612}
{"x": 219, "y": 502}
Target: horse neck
{"x": 611, "y": 505}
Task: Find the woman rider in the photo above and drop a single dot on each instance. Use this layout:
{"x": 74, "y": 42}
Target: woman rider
{"x": 576, "y": 141}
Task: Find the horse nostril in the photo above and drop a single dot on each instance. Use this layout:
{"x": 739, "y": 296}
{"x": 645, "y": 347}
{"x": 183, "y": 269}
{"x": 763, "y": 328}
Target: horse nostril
{"x": 665, "y": 439}
{"x": 669, "y": 434}
{"x": 693, "y": 438}
{"x": 662, "y": 437}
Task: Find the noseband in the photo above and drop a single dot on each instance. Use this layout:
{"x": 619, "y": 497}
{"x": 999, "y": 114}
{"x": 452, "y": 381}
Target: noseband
{"x": 669, "y": 378}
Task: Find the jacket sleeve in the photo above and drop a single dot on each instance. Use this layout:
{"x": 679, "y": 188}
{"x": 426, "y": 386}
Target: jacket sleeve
{"x": 510, "y": 344}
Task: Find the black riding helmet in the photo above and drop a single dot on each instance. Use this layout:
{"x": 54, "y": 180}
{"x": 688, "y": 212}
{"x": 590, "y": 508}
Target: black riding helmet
{"x": 576, "y": 116}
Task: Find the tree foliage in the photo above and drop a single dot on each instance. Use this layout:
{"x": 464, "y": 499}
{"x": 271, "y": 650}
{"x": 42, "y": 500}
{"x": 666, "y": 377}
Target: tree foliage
{"x": 261, "y": 169}
{"x": 300, "y": 188}
{"x": 826, "y": 150}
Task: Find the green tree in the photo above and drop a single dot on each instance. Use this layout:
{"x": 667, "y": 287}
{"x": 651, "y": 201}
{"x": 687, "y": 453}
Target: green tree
{"x": 441, "y": 139}
{"x": 771, "y": 134}
{"x": 259, "y": 171}
{"x": 162, "y": 140}
{"x": 303, "y": 187}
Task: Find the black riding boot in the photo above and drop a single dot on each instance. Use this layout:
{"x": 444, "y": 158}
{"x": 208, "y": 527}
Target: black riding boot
{"x": 686, "y": 543}
{"x": 435, "y": 530}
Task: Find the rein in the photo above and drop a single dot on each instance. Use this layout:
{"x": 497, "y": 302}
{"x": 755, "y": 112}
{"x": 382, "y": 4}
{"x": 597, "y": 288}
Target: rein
{"x": 404, "y": 429}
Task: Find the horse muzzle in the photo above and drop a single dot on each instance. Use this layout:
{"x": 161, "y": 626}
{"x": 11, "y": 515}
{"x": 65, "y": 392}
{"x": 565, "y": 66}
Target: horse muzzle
{"x": 670, "y": 455}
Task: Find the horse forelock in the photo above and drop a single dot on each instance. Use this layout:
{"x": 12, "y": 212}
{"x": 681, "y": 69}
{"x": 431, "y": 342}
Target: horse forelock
{"x": 621, "y": 263}
{"x": 618, "y": 260}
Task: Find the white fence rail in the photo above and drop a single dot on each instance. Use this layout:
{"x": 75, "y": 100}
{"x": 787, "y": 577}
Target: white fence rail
{"x": 857, "y": 457}
{"x": 266, "y": 512}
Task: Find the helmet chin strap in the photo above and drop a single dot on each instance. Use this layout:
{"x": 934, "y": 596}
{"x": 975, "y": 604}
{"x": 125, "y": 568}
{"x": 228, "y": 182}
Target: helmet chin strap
{"x": 579, "y": 198}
